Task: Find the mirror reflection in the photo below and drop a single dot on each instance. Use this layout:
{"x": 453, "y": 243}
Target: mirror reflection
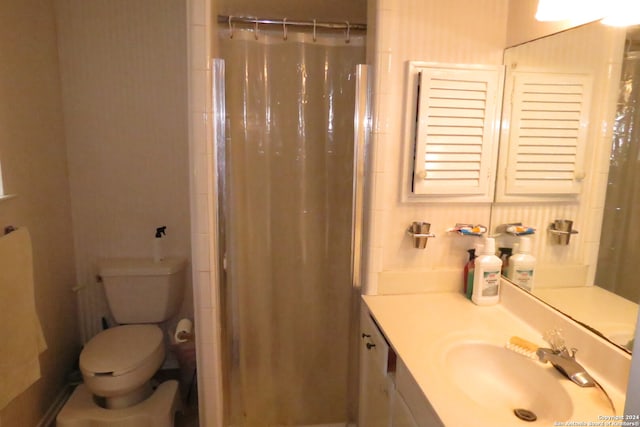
{"x": 589, "y": 273}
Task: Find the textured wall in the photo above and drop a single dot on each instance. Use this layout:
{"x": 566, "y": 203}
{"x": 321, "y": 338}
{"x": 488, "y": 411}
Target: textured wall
{"x": 124, "y": 84}
{"x": 34, "y": 167}
{"x": 454, "y": 32}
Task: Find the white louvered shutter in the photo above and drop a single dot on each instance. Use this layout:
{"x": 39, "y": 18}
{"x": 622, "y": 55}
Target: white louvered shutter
{"x": 548, "y": 134}
{"x": 456, "y": 131}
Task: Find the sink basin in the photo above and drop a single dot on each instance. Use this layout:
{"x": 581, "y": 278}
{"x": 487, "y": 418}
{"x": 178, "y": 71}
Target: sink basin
{"x": 501, "y": 381}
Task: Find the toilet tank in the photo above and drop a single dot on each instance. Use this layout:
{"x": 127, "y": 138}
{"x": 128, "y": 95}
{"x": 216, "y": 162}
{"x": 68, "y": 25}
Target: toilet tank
{"x": 140, "y": 290}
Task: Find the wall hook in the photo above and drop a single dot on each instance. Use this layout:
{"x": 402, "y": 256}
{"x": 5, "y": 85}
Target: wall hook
{"x": 314, "y": 30}
{"x": 284, "y": 28}
{"x": 230, "y": 27}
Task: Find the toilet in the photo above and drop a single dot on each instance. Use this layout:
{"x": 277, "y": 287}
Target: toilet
{"x": 118, "y": 363}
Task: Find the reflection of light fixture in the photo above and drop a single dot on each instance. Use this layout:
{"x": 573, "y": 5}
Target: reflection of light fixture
{"x": 615, "y": 12}
{"x": 571, "y": 10}
{"x": 625, "y": 12}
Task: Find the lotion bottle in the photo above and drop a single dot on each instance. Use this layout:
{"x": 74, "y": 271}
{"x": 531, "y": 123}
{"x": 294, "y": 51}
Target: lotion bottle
{"x": 522, "y": 265}
{"x": 486, "y": 276}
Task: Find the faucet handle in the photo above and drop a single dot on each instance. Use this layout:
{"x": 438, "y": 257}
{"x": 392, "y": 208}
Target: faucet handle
{"x": 555, "y": 339}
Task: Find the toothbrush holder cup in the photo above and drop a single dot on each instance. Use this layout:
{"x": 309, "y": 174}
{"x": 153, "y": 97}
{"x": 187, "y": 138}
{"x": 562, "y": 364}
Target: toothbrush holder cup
{"x": 420, "y": 233}
{"x": 561, "y": 231}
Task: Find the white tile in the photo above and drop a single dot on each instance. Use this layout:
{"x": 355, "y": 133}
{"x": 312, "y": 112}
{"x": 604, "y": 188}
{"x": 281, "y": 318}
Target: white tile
{"x": 202, "y": 255}
{"x": 381, "y": 113}
{"x": 197, "y": 12}
{"x": 385, "y": 27}
{"x": 204, "y": 290}
{"x": 594, "y": 218}
{"x": 198, "y": 95}
{"x": 198, "y": 132}
{"x": 379, "y": 190}
{"x": 202, "y": 213}
{"x": 201, "y": 174}
{"x": 374, "y": 266}
{"x": 379, "y": 141}
{"x": 378, "y": 225}
{"x": 198, "y": 48}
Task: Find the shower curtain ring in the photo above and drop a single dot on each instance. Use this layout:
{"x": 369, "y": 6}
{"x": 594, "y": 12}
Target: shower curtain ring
{"x": 314, "y": 30}
{"x": 230, "y": 28}
{"x": 348, "y": 33}
{"x": 255, "y": 32}
{"x": 284, "y": 28}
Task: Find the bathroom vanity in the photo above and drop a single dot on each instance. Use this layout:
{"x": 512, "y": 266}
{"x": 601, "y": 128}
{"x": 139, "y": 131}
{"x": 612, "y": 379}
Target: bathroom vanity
{"x": 437, "y": 359}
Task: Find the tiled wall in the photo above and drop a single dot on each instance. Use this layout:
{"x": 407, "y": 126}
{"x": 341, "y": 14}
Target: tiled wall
{"x": 455, "y": 32}
{"x": 34, "y": 168}
{"x": 203, "y": 210}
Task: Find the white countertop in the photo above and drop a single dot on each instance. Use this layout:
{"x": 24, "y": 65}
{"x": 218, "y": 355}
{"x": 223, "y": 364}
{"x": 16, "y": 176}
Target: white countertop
{"x": 420, "y": 326}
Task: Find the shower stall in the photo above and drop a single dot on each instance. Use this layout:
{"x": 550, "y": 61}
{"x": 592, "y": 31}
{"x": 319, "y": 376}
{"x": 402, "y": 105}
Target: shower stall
{"x": 285, "y": 170}
{"x": 620, "y": 233}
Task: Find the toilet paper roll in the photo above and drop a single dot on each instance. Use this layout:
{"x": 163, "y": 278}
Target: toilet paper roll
{"x": 184, "y": 330}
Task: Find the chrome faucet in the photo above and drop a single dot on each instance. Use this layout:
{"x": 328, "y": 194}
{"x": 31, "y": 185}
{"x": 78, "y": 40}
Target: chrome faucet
{"x": 564, "y": 360}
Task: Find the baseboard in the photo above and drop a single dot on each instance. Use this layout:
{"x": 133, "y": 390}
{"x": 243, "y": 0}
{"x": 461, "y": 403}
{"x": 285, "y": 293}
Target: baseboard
{"x": 49, "y": 418}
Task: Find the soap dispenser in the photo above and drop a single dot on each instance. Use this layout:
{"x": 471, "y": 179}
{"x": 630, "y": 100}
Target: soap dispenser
{"x": 486, "y": 277}
{"x": 158, "y": 254}
{"x": 522, "y": 265}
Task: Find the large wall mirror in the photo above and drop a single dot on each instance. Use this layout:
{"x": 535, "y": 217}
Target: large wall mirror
{"x": 593, "y": 279}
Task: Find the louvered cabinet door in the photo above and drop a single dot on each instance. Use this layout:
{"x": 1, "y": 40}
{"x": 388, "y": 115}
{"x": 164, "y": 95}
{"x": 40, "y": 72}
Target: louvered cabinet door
{"x": 547, "y": 135}
{"x": 456, "y": 131}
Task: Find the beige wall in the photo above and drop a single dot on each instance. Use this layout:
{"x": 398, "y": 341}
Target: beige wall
{"x": 124, "y": 84}
{"x": 34, "y": 167}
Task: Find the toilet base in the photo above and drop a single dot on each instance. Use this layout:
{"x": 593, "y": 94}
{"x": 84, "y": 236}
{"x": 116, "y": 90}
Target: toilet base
{"x": 157, "y": 411}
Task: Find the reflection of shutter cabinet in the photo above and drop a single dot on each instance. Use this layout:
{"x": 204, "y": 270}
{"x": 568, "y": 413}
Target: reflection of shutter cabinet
{"x": 456, "y": 131}
{"x": 547, "y": 134}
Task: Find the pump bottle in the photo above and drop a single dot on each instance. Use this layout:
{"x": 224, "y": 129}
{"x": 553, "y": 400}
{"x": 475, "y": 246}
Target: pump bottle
{"x": 468, "y": 273}
{"x": 522, "y": 265}
{"x": 486, "y": 277}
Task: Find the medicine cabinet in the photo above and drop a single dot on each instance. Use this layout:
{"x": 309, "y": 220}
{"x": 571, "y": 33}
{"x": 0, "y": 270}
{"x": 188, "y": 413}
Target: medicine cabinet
{"x": 455, "y": 133}
{"x": 454, "y": 127}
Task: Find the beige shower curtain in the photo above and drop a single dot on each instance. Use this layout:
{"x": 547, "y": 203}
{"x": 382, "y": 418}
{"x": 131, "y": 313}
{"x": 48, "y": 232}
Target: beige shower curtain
{"x": 290, "y": 113}
{"x": 619, "y": 252}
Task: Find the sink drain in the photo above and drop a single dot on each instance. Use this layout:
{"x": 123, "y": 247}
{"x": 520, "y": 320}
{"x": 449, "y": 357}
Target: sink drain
{"x": 525, "y": 414}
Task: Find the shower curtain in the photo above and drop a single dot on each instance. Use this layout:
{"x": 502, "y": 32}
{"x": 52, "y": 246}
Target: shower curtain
{"x": 619, "y": 249}
{"x": 289, "y": 160}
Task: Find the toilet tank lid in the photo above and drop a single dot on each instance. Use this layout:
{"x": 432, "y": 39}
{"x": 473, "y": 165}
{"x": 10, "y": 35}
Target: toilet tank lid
{"x": 140, "y": 266}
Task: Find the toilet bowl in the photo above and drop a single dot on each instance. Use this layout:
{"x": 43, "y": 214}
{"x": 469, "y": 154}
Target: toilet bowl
{"x": 118, "y": 363}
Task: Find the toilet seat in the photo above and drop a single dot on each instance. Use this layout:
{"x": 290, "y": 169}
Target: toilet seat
{"x": 120, "y": 350}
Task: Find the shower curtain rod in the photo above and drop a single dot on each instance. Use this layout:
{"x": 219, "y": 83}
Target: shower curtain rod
{"x": 311, "y": 24}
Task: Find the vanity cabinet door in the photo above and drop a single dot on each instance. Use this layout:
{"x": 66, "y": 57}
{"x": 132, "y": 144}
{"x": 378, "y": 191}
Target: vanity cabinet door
{"x": 401, "y": 416}
{"x": 375, "y": 383}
